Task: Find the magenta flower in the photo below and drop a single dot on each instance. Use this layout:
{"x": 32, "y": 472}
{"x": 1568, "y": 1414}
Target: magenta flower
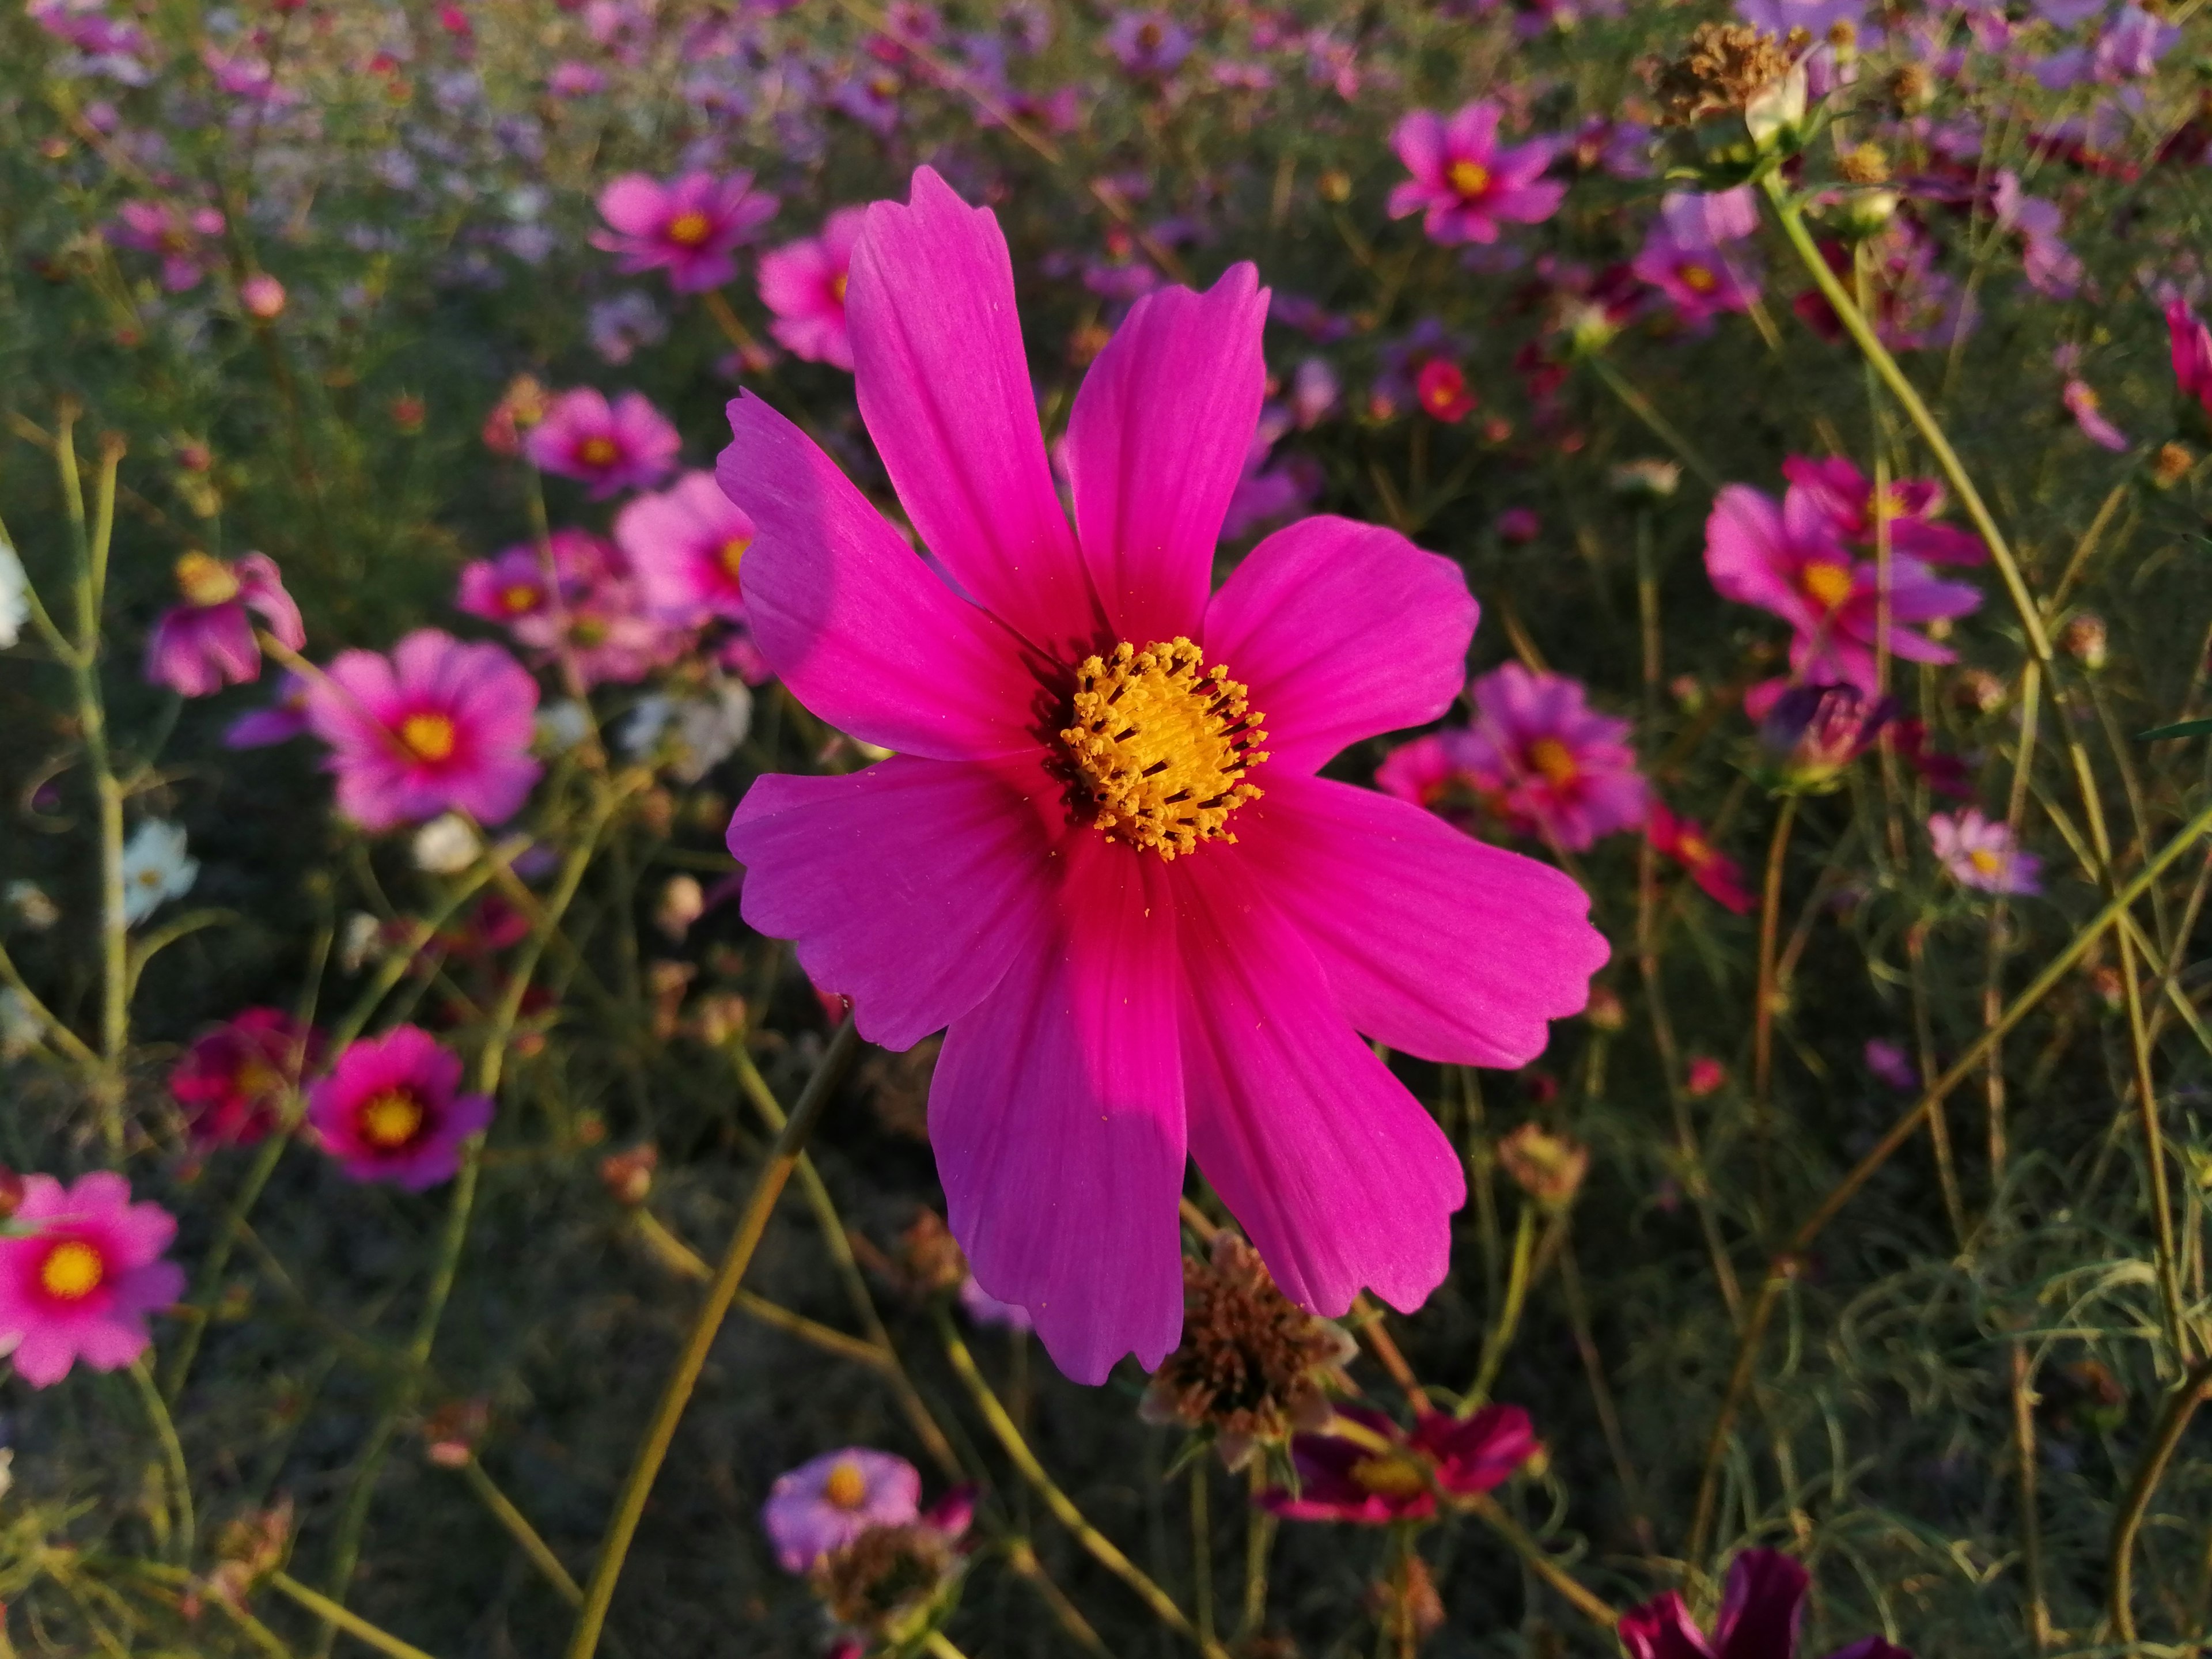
{"x": 1078, "y": 801}
{"x": 1369, "y": 1471}
{"x": 1556, "y": 767}
{"x": 207, "y": 642}
{"x": 1698, "y": 279}
{"x": 979, "y": 1305}
{"x": 829, "y": 1501}
{"x": 1787, "y": 557}
{"x": 232, "y": 1081}
{"x": 1464, "y": 180}
{"x": 1445, "y": 772}
{"x": 512, "y": 588}
{"x": 687, "y": 227}
{"x": 625, "y": 445}
{"x": 1760, "y": 1609}
{"x": 181, "y": 237}
{"x": 280, "y": 722}
{"x": 803, "y": 283}
{"x": 2192, "y": 343}
{"x": 1683, "y": 840}
{"x": 2083, "y": 404}
{"x": 392, "y": 1109}
{"x": 684, "y": 546}
{"x": 1981, "y": 854}
{"x": 1845, "y": 496}
{"x": 437, "y": 725}
{"x": 80, "y": 1269}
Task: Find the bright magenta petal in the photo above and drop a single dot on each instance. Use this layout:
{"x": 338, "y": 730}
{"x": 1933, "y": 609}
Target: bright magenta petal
{"x": 852, "y": 619}
{"x": 1434, "y": 943}
{"x": 910, "y": 887}
{"x": 1342, "y": 630}
{"x": 1156, "y": 444}
{"x": 1057, "y": 1116}
{"x": 1334, "y": 1169}
{"x": 943, "y": 385}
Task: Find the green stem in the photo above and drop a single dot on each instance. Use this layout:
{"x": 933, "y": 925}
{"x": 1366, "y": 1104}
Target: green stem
{"x": 173, "y": 1452}
{"x": 340, "y": 1618}
{"x": 2181, "y": 1404}
{"x": 1509, "y": 1314}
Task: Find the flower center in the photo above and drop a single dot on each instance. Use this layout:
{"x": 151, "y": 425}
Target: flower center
{"x": 1827, "y": 581}
{"x": 1693, "y": 849}
{"x": 731, "y": 554}
{"x": 1554, "y": 761}
{"x": 519, "y": 599}
{"x": 689, "y": 229}
{"x": 1983, "y": 860}
{"x": 1698, "y": 279}
{"x": 427, "y": 737}
{"x": 205, "y": 580}
{"x": 1163, "y": 743}
{"x": 597, "y": 452}
{"x": 256, "y": 1078}
{"x": 72, "y": 1270}
{"x": 1469, "y": 178}
{"x": 847, "y": 1486}
{"x": 1392, "y": 1476}
{"x": 389, "y": 1120}
{"x": 837, "y": 287}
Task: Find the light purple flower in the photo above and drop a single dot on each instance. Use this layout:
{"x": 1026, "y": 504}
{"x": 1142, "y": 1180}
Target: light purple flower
{"x": 1890, "y": 1063}
{"x": 1464, "y": 180}
{"x": 687, "y": 227}
{"x": 1558, "y": 767}
{"x": 284, "y": 718}
{"x": 1981, "y": 855}
{"x": 829, "y": 1501}
{"x": 1148, "y": 43}
{"x": 2082, "y": 402}
{"x": 181, "y": 237}
{"x": 803, "y": 283}
{"x": 625, "y": 445}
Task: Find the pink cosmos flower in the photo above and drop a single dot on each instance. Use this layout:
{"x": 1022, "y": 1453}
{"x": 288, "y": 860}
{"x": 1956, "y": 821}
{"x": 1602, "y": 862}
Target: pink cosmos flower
{"x": 80, "y": 1269}
{"x": 684, "y": 546}
{"x": 625, "y": 445}
{"x": 512, "y": 588}
{"x": 1786, "y": 557}
{"x": 1981, "y": 854}
{"x": 1683, "y": 840}
{"x": 2192, "y": 343}
{"x": 803, "y": 283}
{"x": 182, "y": 237}
{"x": 392, "y": 1110}
{"x": 1698, "y": 278}
{"x": 1446, "y": 772}
{"x": 1845, "y": 496}
{"x": 1372, "y": 1472}
{"x": 1761, "y": 1608}
{"x": 829, "y": 1501}
{"x": 437, "y": 725}
{"x": 1440, "y": 386}
{"x": 687, "y": 227}
{"x": 1557, "y": 767}
{"x": 2083, "y": 404}
{"x": 232, "y": 1082}
{"x": 1464, "y": 180}
{"x": 207, "y": 642}
{"x": 1047, "y": 866}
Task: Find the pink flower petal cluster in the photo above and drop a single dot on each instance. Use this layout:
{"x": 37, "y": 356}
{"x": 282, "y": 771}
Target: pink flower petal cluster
{"x": 184, "y": 237}
{"x": 80, "y": 1268}
{"x": 1554, "y": 767}
{"x": 804, "y": 283}
{"x": 1684, "y": 840}
{"x": 1372, "y": 1472}
{"x": 1981, "y": 853}
{"x": 231, "y": 1082}
{"x": 1465, "y": 181}
{"x": 1700, "y": 279}
{"x": 685, "y": 545}
{"x": 1125, "y": 985}
{"x": 592, "y": 608}
{"x": 1441, "y": 772}
{"x": 1761, "y": 1608}
{"x": 392, "y": 1109}
{"x": 689, "y": 226}
{"x": 437, "y": 725}
{"x": 627, "y": 444}
{"x": 829, "y": 1501}
{"x": 207, "y": 642}
{"x": 2191, "y": 345}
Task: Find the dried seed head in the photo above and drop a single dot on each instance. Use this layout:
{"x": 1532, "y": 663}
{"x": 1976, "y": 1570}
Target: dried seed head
{"x": 1549, "y": 1168}
{"x": 884, "y": 1572}
{"x": 2171, "y": 464}
{"x": 1865, "y": 164}
{"x": 1978, "y": 691}
{"x": 1727, "y": 66}
{"x": 929, "y": 1257}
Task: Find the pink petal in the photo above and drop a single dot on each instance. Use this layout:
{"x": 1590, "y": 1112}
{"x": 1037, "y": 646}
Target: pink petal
{"x": 943, "y": 385}
{"x": 1662, "y": 1629}
{"x": 910, "y": 887}
{"x": 1335, "y": 1171}
{"x": 1155, "y": 447}
{"x": 850, "y": 617}
{"x": 1057, "y": 1115}
{"x": 634, "y": 204}
{"x": 1434, "y": 942}
{"x": 1419, "y": 139}
{"x": 1342, "y": 630}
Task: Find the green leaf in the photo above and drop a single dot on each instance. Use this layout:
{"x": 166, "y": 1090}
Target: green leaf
{"x": 2185, "y": 729}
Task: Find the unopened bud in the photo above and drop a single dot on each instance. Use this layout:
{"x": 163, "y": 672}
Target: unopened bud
{"x": 1335, "y": 185}
{"x": 2171, "y": 464}
{"x": 1549, "y": 1168}
{"x": 2084, "y": 639}
{"x": 628, "y": 1176}
{"x": 1604, "y": 1010}
{"x": 1978, "y": 691}
{"x": 262, "y": 295}
{"x": 1705, "y": 1076}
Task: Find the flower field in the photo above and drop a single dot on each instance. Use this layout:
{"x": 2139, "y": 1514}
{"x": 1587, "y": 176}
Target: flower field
{"x": 1016, "y": 829}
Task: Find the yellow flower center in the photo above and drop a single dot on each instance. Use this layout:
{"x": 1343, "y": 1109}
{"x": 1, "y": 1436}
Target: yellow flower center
{"x": 389, "y": 1120}
{"x": 846, "y": 1486}
{"x": 1693, "y": 849}
{"x": 837, "y": 287}
{"x": 72, "y": 1270}
{"x": 1983, "y": 860}
{"x": 689, "y": 229}
{"x": 1827, "y": 582}
{"x": 204, "y": 580}
{"x": 1698, "y": 279}
{"x": 731, "y": 553}
{"x": 1163, "y": 743}
{"x": 1469, "y": 178}
{"x": 1392, "y": 1476}
{"x": 1554, "y": 761}
{"x": 257, "y": 1077}
{"x": 598, "y": 452}
{"x": 519, "y": 599}
{"x": 427, "y": 737}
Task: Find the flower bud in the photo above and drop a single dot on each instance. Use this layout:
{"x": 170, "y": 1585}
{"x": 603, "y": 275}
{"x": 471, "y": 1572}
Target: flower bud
{"x": 1978, "y": 691}
{"x": 628, "y": 1176}
{"x": 2171, "y": 464}
{"x": 1549, "y": 1168}
{"x": 1335, "y": 186}
{"x": 1604, "y": 1010}
{"x": 263, "y": 296}
{"x": 1705, "y": 1076}
{"x": 2084, "y": 639}
{"x": 1651, "y": 477}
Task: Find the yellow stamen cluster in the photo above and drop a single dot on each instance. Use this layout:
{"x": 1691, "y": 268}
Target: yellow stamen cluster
{"x": 389, "y": 1119}
{"x": 1164, "y": 743}
{"x": 1554, "y": 761}
{"x": 204, "y": 580}
{"x": 72, "y": 1270}
{"x": 1827, "y": 583}
{"x": 1393, "y": 1475}
{"x": 427, "y": 737}
{"x": 731, "y": 554}
{"x": 598, "y": 452}
{"x": 845, "y": 1485}
{"x": 1469, "y": 178}
{"x": 1698, "y": 279}
{"x": 689, "y": 229}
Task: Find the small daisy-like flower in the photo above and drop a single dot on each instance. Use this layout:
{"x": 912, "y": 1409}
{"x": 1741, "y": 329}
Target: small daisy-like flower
{"x": 510, "y": 588}
{"x": 1368, "y": 1470}
{"x": 803, "y": 283}
{"x": 1559, "y": 768}
{"x": 689, "y": 226}
{"x": 392, "y": 1109}
{"x": 232, "y": 1081}
{"x": 1148, "y": 43}
{"x": 155, "y": 869}
{"x": 79, "y": 1270}
{"x": 1464, "y": 181}
{"x": 1981, "y": 853}
{"x": 829, "y": 1501}
{"x": 627, "y": 444}
{"x": 207, "y": 642}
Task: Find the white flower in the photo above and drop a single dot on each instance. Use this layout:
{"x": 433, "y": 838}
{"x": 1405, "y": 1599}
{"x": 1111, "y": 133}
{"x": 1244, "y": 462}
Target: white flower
{"x": 446, "y": 846}
{"x": 20, "y": 1029}
{"x": 707, "y": 729}
{"x": 31, "y": 906}
{"x": 683, "y": 901}
{"x": 355, "y": 939}
{"x": 562, "y": 725}
{"x": 155, "y": 869}
{"x": 15, "y": 596}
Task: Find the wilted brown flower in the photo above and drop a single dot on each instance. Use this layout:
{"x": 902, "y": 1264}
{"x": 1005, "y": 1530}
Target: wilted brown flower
{"x": 885, "y": 1573}
{"x": 898, "y": 1088}
{"x": 2171, "y": 464}
{"x": 1978, "y": 691}
{"x": 1549, "y": 1168}
{"x": 1865, "y": 164}
{"x": 929, "y": 1258}
{"x": 248, "y": 1549}
{"x": 1253, "y": 1366}
{"x": 1727, "y": 67}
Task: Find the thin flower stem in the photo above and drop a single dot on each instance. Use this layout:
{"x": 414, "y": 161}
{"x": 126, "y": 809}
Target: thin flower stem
{"x": 1101, "y": 1548}
{"x": 676, "y": 1395}
{"x": 351, "y": 1623}
{"x": 682, "y": 1258}
{"x": 733, "y": 329}
{"x": 1369, "y": 1319}
{"x": 1585, "y": 1601}
{"x": 1762, "y": 1027}
{"x": 938, "y": 1644}
{"x": 179, "y": 1580}
{"x": 1201, "y": 1552}
{"x": 2031, "y": 1520}
{"x": 1645, "y": 410}
{"x": 2180, "y": 1405}
{"x": 519, "y": 1528}
{"x": 1608, "y": 1414}
{"x": 1021, "y": 1556}
{"x": 1509, "y": 1314}
{"x": 69, "y": 1041}
{"x": 173, "y": 1452}
{"x": 1258, "y": 1539}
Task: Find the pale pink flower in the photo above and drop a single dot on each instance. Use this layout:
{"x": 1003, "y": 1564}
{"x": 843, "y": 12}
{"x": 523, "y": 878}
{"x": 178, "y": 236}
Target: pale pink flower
{"x": 829, "y": 1501}
{"x": 685, "y": 547}
{"x": 803, "y": 283}
{"x": 627, "y": 444}
{"x": 1981, "y": 853}
{"x": 687, "y": 227}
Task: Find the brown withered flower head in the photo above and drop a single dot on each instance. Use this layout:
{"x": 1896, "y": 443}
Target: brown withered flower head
{"x": 1549, "y": 1168}
{"x": 1727, "y": 66}
{"x": 1252, "y": 1366}
{"x": 249, "y": 1548}
{"x": 929, "y": 1259}
{"x": 886, "y": 1576}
